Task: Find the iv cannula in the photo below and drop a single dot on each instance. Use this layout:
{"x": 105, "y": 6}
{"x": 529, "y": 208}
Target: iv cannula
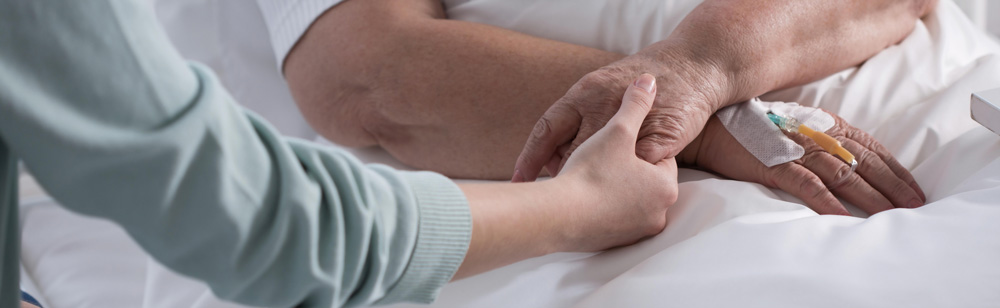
{"x": 826, "y": 142}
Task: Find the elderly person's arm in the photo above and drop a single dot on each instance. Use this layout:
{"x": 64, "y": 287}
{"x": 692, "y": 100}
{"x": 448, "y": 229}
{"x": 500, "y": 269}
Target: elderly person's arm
{"x": 723, "y": 52}
{"x": 459, "y": 97}
{"x": 729, "y": 51}
{"x": 451, "y": 96}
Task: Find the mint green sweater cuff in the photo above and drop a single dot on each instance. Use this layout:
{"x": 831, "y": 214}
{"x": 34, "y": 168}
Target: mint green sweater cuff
{"x": 444, "y": 232}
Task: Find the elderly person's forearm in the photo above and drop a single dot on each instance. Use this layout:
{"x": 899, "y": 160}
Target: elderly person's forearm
{"x": 774, "y": 44}
{"x": 459, "y": 97}
{"x": 723, "y": 52}
{"x": 450, "y": 96}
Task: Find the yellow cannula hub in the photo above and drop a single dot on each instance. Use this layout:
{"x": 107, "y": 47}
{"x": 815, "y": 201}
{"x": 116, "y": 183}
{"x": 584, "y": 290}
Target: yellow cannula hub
{"x": 826, "y": 142}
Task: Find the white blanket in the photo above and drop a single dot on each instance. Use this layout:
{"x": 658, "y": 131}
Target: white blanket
{"x": 728, "y": 243}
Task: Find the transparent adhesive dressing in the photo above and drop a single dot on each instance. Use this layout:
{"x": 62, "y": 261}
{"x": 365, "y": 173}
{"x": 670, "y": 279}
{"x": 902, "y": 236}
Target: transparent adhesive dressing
{"x": 826, "y": 142}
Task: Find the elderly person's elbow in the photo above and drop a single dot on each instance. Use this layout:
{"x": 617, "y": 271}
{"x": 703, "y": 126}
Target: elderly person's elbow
{"x": 334, "y": 94}
{"x": 341, "y": 118}
{"x": 346, "y": 105}
{"x": 339, "y": 75}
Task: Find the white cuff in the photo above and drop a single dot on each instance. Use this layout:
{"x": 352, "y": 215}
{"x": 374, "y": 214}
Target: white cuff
{"x": 287, "y": 21}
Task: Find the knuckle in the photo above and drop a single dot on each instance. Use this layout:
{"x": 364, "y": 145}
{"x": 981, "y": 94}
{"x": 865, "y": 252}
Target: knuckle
{"x": 657, "y": 223}
{"x": 842, "y": 173}
{"x": 851, "y": 132}
{"x": 864, "y": 139}
{"x": 606, "y": 84}
{"x": 663, "y": 128}
{"x": 543, "y": 128}
{"x": 777, "y": 173}
{"x": 812, "y": 186}
{"x": 840, "y": 126}
{"x": 670, "y": 193}
{"x": 618, "y": 128}
{"x": 595, "y": 79}
{"x": 867, "y": 159}
{"x": 602, "y": 80}
{"x": 656, "y": 146}
{"x": 851, "y": 180}
{"x": 902, "y": 189}
{"x": 812, "y": 157}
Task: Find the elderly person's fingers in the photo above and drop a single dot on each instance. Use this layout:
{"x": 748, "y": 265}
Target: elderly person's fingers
{"x": 879, "y": 182}
{"x": 557, "y": 126}
{"x": 641, "y": 91}
{"x": 681, "y": 109}
{"x": 869, "y": 142}
{"x": 876, "y": 172}
{"x": 804, "y": 184}
{"x": 839, "y": 179}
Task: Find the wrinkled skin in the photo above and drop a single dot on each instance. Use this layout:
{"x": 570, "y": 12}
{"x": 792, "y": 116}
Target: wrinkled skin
{"x": 879, "y": 183}
{"x": 677, "y": 117}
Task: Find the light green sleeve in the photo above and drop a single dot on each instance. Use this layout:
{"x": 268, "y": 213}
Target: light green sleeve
{"x": 113, "y": 123}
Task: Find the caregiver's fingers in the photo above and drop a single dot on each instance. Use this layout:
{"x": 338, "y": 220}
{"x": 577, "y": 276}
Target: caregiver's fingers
{"x": 881, "y": 177}
{"x": 838, "y": 178}
{"x": 636, "y": 103}
{"x": 804, "y": 184}
{"x": 869, "y": 142}
{"x": 557, "y": 126}
{"x": 625, "y": 124}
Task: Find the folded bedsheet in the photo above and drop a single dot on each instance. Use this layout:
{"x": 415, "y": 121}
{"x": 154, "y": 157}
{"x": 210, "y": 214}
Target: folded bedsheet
{"x": 728, "y": 243}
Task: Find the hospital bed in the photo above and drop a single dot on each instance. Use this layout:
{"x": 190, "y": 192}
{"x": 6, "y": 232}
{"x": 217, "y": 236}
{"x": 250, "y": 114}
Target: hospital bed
{"x": 728, "y": 243}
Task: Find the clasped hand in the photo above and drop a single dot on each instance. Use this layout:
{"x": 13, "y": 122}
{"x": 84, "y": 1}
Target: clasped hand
{"x": 682, "y": 113}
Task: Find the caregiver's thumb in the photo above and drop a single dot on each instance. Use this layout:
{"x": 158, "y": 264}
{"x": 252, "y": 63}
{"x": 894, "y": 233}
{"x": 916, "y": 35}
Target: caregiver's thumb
{"x": 636, "y": 103}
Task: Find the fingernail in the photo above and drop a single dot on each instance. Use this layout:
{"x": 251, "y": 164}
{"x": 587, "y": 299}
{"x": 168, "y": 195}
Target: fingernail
{"x": 915, "y": 203}
{"x": 518, "y": 177}
{"x": 646, "y": 82}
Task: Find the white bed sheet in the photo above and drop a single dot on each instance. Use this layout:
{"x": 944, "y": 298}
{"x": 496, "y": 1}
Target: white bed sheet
{"x": 728, "y": 243}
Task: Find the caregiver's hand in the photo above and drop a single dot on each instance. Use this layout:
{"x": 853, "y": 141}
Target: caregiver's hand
{"x": 879, "y": 183}
{"x": 629, "y": 195}
{"x": 605, "y": 197}
{"x": 689, "y": 92}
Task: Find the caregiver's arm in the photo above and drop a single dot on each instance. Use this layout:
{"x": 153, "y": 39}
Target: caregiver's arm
{"x": 450, "y": 96}
{"x": 114, "y": 123}
{"x": 725, "y": 51}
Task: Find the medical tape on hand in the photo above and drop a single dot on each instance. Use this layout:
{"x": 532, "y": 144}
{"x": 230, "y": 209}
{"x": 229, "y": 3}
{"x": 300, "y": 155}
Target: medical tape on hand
{"x": 749, "y": 124}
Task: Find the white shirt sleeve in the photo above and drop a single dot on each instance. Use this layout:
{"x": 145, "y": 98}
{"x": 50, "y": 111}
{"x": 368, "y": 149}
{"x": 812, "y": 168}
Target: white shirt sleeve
{"x": 287, "y": 21}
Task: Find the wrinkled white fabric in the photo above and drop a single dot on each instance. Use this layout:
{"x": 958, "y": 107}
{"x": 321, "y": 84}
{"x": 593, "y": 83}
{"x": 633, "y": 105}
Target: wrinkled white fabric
{"x": 748, "y": 123}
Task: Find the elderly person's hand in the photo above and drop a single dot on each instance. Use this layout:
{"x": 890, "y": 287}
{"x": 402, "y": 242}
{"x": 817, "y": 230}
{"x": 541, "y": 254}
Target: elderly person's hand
{"x": 689, "y": 92}
{"x": 723, "y": 52}
{"x": 606, "y": 197}
{"x": 879, "y": 183}
{"x": 630, "y": 196}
